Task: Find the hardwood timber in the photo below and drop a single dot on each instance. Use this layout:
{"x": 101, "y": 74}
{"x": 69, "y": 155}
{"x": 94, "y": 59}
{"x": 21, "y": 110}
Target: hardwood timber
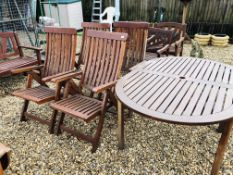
{"x": 136, "y": 43}
{"x": 176, "y": 47}
{"x": 103, "y": 55}
{"x": 180, "y": 90}
{"x": 159, "y": 41}
{"x": 60, "y": 60}
{"x": 12, "y": 54}
{"x": 90, "y": 26}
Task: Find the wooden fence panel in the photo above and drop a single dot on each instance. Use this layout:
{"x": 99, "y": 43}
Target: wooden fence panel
{"x": 213, "y": 11}
{"x": 213, "y": 16}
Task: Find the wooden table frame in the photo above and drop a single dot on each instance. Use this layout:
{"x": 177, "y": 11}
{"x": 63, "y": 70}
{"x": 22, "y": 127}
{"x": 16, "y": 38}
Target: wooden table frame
{"x": 226, "y": 122}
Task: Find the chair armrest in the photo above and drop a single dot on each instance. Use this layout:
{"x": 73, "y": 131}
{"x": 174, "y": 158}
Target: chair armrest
{"x": 150, "y": 39}
{"x": 104, "y": 87}
{"x": 165, "y": 48}
{"x": 26, "y": 69}
{"x": 32, "y": 48}
{"x": 66, "y": 77}
{"x": 179, "y": 41}
{"x": 49, "y": 78}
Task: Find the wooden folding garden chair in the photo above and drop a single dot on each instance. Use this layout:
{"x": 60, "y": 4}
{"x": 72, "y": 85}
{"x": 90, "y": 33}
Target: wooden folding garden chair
{"x": 12, "y": 55}
{"x": 136, "y": 43}
{"x": 87, "y": 26}
{"x": 159, "y": 42}
{"x": 178, "y": 37}
{"x": 60, "y": 60}
{"x": 104, "y": 53}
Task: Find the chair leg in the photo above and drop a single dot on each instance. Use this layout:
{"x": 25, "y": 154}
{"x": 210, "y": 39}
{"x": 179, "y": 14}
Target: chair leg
{"x": 52, "y": 122}
{"x": 60, "y": 122}
{"x": 181, "y": 52}
{"x": 24, "y": 109}
{"x": 130, "y": 113}
{"x": 95, "y": 143}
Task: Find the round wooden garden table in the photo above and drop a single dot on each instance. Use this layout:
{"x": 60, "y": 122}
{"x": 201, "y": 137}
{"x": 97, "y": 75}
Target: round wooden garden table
{"x": 180, "y": 90}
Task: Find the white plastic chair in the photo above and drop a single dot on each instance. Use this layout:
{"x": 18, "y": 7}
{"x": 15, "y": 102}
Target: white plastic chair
{"x": 111, "y": 13}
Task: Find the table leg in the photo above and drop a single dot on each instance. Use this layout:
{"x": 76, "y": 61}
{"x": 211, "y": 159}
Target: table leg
{"x": 221, "y": 127}
{"x": 120, "y": 127}
{"x": 221, "y": 147}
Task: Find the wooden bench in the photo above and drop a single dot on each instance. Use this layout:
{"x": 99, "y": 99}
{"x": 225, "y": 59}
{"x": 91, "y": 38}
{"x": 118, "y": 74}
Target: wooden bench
{"x": 12, "y": 56}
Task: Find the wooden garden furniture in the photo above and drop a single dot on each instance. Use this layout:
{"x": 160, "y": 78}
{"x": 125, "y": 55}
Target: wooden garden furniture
{"x": 104, "y": 55}
{"x": 60, "y": 60}
{"x": 159, "y": 41}
{"x": 12, "y": 56}
{"x": 136, "y": 43}
{"x": 178, "y": 38}
{"x": 180, "y": 90}
{"x": 4, "y": 158}
{"x": 87, "y": 26}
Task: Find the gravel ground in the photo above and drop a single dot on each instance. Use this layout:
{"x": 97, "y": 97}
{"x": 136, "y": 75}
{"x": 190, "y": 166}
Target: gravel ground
{"x": 151, "y": 147}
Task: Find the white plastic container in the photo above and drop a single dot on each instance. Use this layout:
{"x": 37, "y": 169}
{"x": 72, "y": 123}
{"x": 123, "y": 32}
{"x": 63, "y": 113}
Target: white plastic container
{"x": 68, "y": 13}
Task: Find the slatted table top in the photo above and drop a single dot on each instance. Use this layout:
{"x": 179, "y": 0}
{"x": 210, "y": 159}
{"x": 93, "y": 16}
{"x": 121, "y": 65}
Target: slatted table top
{"x": 179, "y": 90}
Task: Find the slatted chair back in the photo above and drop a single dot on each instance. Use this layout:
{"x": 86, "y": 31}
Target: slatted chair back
{"x": 90, "y": 26}
{"x": 161, "y": 36}
{"x": 60, "y": 50}
{"x": 179, "y": 29}
{"x": 136, "y": 43}
{"x": 9, "y": 43}
{"x": 104, "y": 53}
{"x": 159, "y": 39}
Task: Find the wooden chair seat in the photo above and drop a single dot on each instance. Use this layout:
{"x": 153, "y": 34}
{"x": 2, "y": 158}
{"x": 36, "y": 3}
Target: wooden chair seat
{"x": 153, "y": 48}
{"x": 80, "y": 106}
{"x": 39, "y": 94}
{"x": 18, "y": 62}
{"x": 12, "y": 55}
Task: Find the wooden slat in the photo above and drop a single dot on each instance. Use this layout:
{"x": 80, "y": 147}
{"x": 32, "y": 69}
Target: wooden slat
{"x": 132, "y": 92}
{"x": 229, "y": 95}
{"x": 219, "y": 104}
{"x": 180, "y": 97}
{"x": 136, "y": 43}
{"x": 181, "y": 89}
{"x": 157, "y": 92}
{"x": 80, "y": 106}
{"x": 60, "y": 30}
{"x": 38, "y": 94}
{"x": 135, "y": 81}
{"x": 170, "y": 96}
{"x": 7, "y": 66}
{"x": 60, "y": 51}
{"x": 177, "y": 67}
{"x": 164, "y": 95}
